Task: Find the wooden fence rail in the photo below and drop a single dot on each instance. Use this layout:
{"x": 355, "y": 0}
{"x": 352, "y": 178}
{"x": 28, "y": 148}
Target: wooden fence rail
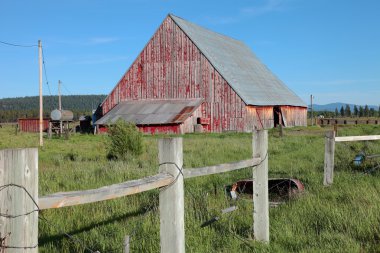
{"x": 330, "y": 140}
{"x": 171, "y": 198}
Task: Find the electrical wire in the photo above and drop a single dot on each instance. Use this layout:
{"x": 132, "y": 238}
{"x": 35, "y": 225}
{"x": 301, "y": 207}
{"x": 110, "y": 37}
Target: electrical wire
{"x": 44, "y": 65}
{"x": 16, "y": 45}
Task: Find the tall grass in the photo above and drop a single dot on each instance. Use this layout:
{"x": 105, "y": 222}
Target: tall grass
{"x": 342, "y": 218}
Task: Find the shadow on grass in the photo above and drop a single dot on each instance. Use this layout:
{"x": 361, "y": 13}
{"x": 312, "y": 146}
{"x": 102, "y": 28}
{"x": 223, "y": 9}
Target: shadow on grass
{"x": 61, "y": 235}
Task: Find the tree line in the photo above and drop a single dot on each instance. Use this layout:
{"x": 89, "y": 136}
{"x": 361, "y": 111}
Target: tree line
{"x": 28, "y": 107}
{"x": 345, "y": 111}
{"x": 357, "y": 112}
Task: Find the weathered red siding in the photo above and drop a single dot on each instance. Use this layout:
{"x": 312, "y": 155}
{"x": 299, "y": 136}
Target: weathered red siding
{"x": 172, "y": 67}
{"x": 32, "y": 125}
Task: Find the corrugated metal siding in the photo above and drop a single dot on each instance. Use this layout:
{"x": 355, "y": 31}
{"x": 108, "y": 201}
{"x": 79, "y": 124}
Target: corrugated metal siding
{"x": 32, "y": 125}
{"x": 171, "y": 66}
{"x": 152, "y": 111}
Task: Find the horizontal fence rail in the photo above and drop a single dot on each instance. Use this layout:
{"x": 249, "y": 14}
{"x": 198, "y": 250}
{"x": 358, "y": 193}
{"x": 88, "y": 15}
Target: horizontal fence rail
{"x": 62, "y": 199}
{"x": 330, "y": 140}
{"x": 357, "y": 138}
{"x": 215, "y": 169}
{"x": 170, "y": 179}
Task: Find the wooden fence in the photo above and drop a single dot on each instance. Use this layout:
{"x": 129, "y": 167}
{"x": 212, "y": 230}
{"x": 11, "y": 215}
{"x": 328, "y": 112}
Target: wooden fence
{"x": 347, "y": 121}
{"x": 19, "y": 189}
{"x": 330, "y": 140}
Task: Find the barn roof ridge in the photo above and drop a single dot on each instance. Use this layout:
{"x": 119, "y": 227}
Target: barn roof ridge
{"x": 239, "y": 66}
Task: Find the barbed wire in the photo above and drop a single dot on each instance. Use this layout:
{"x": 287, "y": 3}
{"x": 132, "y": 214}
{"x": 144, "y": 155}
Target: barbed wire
{"x": 37, "y": 209}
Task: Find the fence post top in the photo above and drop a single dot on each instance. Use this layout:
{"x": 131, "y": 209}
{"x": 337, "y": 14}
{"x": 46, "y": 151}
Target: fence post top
{"x": 330, "y": 134}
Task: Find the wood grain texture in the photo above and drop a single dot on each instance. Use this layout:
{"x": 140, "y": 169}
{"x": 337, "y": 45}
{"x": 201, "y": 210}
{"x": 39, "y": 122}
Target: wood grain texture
{"x": 260, "y": 190}
{"x": 329, "y": 158}
{"x": 220, "y": 168}
{"x": 357, "y": 138}
{"x": 73, "y": 198}
{"x": 172, "y": 202}
{"x": 20, "y": 167}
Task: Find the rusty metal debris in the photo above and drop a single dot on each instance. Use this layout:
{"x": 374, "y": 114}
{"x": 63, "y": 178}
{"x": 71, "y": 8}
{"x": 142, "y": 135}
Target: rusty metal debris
{"x": 216, "y": 218}
{"x": 280, "y": 189}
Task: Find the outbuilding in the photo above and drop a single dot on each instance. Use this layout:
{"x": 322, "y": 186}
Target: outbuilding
{"x": 188, "y": 78}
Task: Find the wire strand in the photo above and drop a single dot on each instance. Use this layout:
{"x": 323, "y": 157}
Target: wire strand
{"x": 16, "y": 45}
{"x": 44, "y": 65}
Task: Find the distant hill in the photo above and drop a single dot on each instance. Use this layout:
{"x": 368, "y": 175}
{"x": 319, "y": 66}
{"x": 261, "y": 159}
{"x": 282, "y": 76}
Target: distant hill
{"x": 331, "y": 107}
{"x": 13, "y": 108}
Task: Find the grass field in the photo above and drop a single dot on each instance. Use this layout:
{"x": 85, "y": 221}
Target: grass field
{"x": 342, "y": 218}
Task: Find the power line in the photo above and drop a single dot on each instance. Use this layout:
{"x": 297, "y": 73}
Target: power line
{"x": 17, "y": 45}
{"x": 46, "y": 77}
{"x": 65, "y": 87}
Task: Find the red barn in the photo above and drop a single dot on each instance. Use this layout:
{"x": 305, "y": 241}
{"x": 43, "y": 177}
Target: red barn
{"x": 189, "y": 78}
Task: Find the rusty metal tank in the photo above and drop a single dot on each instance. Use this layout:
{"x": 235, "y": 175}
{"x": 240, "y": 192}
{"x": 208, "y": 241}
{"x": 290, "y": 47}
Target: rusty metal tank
{"x": 61, "y": 115}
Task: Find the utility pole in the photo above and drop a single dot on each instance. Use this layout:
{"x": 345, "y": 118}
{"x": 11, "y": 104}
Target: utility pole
{"x": 40, "y": 81}
{"x": 311, "y": 109}
{"x": 60, "y": 107}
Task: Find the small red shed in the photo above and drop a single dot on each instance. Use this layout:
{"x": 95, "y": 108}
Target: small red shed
{"x": 32, "y": 124}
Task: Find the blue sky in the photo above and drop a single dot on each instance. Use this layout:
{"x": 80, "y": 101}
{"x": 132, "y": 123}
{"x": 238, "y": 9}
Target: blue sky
{"x": 328, "y": 48}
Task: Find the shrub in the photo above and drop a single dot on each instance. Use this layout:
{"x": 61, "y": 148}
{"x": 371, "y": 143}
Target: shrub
{"x": 125, "y": 140}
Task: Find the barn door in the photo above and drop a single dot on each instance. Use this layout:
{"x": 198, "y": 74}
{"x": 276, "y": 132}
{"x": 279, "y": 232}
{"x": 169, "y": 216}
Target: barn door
{"x": 284, "y": 119}
{"x": 278, "y": 117}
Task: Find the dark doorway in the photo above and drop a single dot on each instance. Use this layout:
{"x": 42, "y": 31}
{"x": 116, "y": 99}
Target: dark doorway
{"x": 277, "y": 119}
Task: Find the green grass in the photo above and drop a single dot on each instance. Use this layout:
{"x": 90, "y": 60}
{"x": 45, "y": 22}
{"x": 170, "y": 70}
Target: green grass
{"x": 342, "y": 218}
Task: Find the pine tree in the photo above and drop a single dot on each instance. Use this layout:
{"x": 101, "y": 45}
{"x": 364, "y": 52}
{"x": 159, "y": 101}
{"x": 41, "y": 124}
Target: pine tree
{"x": 356, "y": 111}
{"x": 361, "y": 111}
{"x": 366, "y": 111}
{"x": 347, "y": 111}
{"x": 342, "y": 111}
{"x": 372, "y": 112}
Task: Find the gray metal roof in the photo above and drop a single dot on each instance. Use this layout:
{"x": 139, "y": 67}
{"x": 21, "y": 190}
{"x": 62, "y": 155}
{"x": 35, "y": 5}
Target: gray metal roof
{"x": 152, "y": 112}
{"x": 239, "y": 66}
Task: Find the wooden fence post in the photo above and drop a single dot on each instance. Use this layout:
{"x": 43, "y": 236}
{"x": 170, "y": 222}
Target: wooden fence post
{"x": 260, "y": 190}
{"x": 20, "y": 168}
{"x": 172, "y": 211}
{"x": 126, "y": 244}
{"x": 329, "y": 158}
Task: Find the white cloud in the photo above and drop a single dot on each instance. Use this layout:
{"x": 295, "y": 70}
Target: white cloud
{"x": 268, "y": 6}
{"x": 100, "y": 59}
{"x": 338, "y": 82}
{"x": 103, "y": 40}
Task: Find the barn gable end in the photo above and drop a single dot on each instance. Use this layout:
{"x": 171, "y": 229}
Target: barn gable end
{"x": 177, "y": 64}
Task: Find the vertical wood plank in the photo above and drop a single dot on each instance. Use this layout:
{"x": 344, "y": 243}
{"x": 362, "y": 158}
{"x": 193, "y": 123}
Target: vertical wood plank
{"x": 329, "y": 158}
{"x": 172, "y": 212}
{"x": 260, "y": 188}
{"x": 20, "y": 167}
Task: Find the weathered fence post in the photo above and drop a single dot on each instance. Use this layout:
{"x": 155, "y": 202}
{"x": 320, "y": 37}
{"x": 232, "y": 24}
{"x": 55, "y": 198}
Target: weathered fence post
{"x": 172, "y": 211}
{"x": 126, "y": 244}
{"x": 329, "y": 158}
{"x": 260, "y": 190}
{"x": 18, "y": 170}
